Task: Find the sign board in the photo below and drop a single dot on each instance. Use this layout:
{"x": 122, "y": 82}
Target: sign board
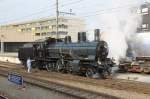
{"x": 15, "y": 78}
{"x": 3, "y": 97}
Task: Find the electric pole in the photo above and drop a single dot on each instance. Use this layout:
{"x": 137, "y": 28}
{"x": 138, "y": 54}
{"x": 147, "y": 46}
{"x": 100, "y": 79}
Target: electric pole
{"x": 57, "y": 18}
{"x": 57, "y": 14}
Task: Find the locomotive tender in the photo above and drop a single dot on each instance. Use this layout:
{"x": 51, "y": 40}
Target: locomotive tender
{"x": 82, "y": 57}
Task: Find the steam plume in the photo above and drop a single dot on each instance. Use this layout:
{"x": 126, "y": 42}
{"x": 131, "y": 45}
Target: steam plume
{"x": 119, "y": 27}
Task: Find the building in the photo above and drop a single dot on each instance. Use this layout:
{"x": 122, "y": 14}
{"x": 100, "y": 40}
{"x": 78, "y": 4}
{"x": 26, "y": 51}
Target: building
{"x": 145, "y": 12}
{"x": 140, "y": 45}
{"x": 15, "y": 35}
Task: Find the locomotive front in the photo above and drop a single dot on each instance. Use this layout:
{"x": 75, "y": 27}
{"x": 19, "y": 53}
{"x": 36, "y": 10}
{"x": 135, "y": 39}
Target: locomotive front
{"x": 101, "y": 51}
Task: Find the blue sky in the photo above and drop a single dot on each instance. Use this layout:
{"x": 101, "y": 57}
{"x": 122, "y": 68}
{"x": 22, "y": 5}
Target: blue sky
{"x": 21, "y": 10}
{"x": 18, "y": 10}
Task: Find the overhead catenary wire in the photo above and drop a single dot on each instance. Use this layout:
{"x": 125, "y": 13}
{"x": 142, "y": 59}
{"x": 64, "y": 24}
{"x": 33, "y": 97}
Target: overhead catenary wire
{"x": 114, "y": 9}
{"x": 27, "y": 16}
{"x": 86, "y": 15}
{"x": 95, "y": 13}
{"x": 71, "y": 3}
{"x": 42, "y": 10}
{"x": 110, "y": 10}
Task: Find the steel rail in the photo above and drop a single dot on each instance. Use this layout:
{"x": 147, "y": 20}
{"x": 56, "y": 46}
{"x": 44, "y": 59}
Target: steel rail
{"x": 67, "y": 90}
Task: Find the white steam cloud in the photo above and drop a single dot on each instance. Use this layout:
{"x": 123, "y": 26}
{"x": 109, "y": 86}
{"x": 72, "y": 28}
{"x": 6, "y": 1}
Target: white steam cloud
{"x": 119, "y": 27}
{"x": 141, "y": 45}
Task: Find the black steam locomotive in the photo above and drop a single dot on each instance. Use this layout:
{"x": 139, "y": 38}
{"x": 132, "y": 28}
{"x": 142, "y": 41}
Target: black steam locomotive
{"x": 83, "y": 57}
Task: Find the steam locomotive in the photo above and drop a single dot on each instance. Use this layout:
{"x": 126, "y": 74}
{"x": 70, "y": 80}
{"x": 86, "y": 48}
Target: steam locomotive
{"x": 82, "y": 57}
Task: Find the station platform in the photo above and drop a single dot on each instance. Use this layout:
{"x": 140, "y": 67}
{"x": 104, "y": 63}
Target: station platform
{"x": 9, "y": 57}
{"x": 9, "y": 54}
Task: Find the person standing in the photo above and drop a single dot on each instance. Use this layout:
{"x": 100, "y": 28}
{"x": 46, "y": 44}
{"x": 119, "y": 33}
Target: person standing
{"x": 29, "y": 65}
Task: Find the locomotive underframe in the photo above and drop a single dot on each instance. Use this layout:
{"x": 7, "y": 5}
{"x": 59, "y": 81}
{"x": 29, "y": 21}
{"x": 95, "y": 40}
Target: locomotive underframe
{"x": 72, "y": 64}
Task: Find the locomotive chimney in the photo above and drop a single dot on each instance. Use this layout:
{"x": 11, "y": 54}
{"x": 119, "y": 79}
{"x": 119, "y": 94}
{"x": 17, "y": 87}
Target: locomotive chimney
{"x": 84, "y": 36}
{"x": 81, "y": 36}
{"x": 97, "y": 35}
{"x": 68, "y": 39}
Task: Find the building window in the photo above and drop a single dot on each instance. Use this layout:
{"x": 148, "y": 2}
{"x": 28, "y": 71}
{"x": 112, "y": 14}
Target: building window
{"x": 22, "y": 25}
{"x": 28, "y": 29}
{"x": 15, "y": 26}
{"x": 33, "y": 29}
{"x": 23, "y": 30}
{"x": 144, "y": 11}
{"x": 37, "y": 34}
{"x": 139, "y": 11}
{"x": 43, "y": 22}
{"x": 51, "y": 33}
{"x": 62, "y": 33}
{"x": 43, "y": 34}
{"x": 50, "y": 21}
{"x": 63, "y": 26}
{"x": 37, "y": 28}
{"x": 64, "y": 20}
{"x": 48, "y": 33}
{"x": 44, "y": 27}
{"x": 145, "y": 27}
{"x": 53, "y": 26}
{"x": 60, "y": 26}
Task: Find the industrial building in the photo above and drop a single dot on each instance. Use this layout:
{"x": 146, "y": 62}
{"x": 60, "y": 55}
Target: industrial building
{"x": 145, "y": 12}
{"x": 13, "y": 36}
{"x": 142, "y": 31}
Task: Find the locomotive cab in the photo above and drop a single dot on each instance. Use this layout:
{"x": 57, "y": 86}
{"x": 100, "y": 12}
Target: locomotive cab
{"x": 25, "y": 52}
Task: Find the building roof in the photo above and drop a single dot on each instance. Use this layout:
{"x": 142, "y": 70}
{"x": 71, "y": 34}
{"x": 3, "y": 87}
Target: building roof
{"x": 42, "y": 19}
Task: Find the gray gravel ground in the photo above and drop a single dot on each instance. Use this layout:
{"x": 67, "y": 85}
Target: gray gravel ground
{"x": 30, "y": 92}
{"x": 134, "y": 76}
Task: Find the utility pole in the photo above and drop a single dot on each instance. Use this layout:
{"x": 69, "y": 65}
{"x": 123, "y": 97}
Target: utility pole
{"x": 57, "y": 18}
{"x": 57, "y": 14}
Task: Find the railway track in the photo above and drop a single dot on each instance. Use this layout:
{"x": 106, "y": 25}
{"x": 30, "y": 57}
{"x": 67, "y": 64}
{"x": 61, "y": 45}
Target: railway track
{"x": 65, "y": 89}
{"x": 84, "y": 87}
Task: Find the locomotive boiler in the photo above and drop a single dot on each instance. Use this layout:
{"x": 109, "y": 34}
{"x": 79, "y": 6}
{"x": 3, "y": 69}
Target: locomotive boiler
{"x": 82, "y": 57}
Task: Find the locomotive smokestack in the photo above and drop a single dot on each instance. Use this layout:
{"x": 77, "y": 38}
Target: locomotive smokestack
{"x": 81, "y": 36}
{"x": 68, "y": 39}
{"x": 84, "y": 36}
{"x": 97, "y": 35}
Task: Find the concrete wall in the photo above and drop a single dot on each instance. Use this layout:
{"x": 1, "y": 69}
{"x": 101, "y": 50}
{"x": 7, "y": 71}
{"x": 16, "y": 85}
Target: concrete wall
{"x": 10, "y": 57}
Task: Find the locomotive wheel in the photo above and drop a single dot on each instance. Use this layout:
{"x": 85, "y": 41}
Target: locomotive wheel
{"x": 89, "y": 73}
{"x": 68, "y": 67}
{"x": 34, "y": 64}
{"x": 40, "y": 65}
{"x": 59, "y": 66}
{"x": 49, "y": 66}
{"x": 24, "y": 64}
{"x": 105, "y": 74}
